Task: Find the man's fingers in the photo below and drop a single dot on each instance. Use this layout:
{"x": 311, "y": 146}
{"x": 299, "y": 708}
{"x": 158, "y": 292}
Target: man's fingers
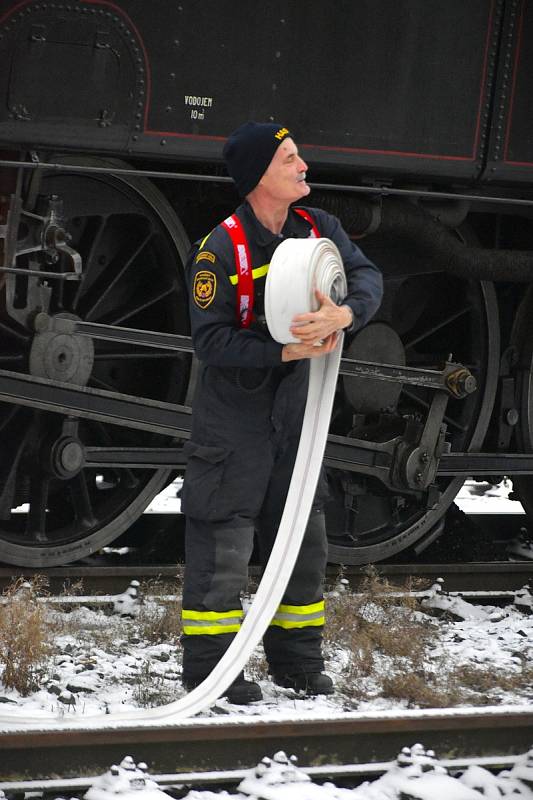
{"x": 310, "y": 316}
{"x": 323, "y": 299}
{"x": 304, "y": 318}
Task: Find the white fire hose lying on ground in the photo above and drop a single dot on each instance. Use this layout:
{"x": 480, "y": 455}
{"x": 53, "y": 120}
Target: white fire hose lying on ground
{"x": 297, "y": 268}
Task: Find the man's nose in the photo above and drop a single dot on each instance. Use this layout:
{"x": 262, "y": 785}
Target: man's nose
{"x": 302, "y": 166}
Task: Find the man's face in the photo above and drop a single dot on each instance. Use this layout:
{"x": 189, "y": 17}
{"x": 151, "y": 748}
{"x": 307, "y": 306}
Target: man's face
{"x": 284, "y": 178}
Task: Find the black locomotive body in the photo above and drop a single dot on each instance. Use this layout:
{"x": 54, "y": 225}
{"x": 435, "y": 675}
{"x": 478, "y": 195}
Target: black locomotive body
{"x": 416, "y": 121}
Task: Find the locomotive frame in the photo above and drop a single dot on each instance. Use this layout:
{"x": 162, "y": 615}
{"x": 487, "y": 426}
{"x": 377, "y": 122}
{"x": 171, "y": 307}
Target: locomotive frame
{"x": 111, "y": 163}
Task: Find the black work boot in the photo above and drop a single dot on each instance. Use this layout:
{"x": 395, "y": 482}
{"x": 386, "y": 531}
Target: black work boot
{"x": 310, "y": 683}
{"x": 241, "y": 692}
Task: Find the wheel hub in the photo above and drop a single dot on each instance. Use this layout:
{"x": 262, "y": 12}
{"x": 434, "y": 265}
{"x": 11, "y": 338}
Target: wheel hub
{"x": 58, "y": 356}
{"x": 67, "y": 457}
{"x": 379, "y": 343}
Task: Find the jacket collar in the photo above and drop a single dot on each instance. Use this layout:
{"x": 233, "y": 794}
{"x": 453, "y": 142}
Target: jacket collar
{"x": 295, "y": 226}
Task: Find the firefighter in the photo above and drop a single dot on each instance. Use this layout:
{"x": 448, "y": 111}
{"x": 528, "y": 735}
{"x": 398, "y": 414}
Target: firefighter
{"x": 248, "y": 411}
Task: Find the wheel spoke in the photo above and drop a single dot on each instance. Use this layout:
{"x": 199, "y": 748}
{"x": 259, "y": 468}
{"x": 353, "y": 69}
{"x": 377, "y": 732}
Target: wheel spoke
{"x": 9, "y": 417}
{"x": 9, "y": 481}
{"x": 424, "y": 404}
{"x": 81, "y": 500}
{"x": 11, "y": 359}
{"x": 434, "y": 328}
{"x": 91, "y": 311}
{"x": 88, "y": 262}
{"x": 131, "y": 312}
{"x": 96, "y": 383}
{"x": 22, "y": 337}
{"x": 126, "y": 476}
{"x": 36, "y": 520}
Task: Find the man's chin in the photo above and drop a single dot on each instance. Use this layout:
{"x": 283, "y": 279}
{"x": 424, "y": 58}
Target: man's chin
{"x": 304, "y": 189}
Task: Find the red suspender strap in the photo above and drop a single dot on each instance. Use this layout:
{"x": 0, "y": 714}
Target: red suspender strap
{"x": 307, "y": 216}
{"x": 243, "y": 263}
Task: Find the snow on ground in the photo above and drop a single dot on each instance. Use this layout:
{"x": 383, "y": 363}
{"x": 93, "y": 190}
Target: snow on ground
{"x": 108, "y": 662}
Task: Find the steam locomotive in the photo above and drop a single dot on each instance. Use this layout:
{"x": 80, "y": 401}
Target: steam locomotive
{"x": 415, "y": 118}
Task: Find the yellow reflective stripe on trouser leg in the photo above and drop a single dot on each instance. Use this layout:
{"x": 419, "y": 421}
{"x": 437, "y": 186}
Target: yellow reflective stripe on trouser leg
{"x": 299, "y": 616}
{"x": 211, "y": 622}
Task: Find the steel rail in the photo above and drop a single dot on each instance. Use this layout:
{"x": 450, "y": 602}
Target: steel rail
{"x": 352, "y": 773}
{"x": 232, "y": 742}
{"x": 379, "y": 191}
{"x": 105, "y": 602}
{"x": 498, "y": 576}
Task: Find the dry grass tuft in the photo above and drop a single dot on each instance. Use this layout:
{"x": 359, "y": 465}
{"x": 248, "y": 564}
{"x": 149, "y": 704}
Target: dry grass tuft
{"x": 464, "y": 684}
{"x": 421, "y": 690}
{"x": 392, "y": 651}
{"x": 24, "y": 635}
{"x": 73, "y": 588}
{"x": 151, "y": 689}
{"x": 160, "y": 622}
{"x": 378, "y": 625}
{"x": 484, "y": 682}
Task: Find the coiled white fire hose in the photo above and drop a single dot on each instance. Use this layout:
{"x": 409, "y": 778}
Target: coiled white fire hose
{"x": 297, "y": 268}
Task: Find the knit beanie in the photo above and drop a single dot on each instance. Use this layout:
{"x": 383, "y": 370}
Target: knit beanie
{"x": 249, "y": 150}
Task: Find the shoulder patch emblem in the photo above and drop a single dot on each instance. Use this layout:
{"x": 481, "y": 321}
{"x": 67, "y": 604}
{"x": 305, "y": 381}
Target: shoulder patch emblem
{"x": 205, "y": 285}
{"x": 205, "y": 255}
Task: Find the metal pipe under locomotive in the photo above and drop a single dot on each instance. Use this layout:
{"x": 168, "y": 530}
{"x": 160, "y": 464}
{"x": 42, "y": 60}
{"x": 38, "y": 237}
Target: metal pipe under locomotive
{"x": 416, "y": 122}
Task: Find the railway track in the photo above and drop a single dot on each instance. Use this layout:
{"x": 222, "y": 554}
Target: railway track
{"x": 229, "y": 742}
{"x": 349, "y": 775}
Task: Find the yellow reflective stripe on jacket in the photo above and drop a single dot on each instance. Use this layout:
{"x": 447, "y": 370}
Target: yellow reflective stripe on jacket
{"x": 258, "y": 272}
{"x": 299, "y": 616}
{"x": 204, "y": 240}
{"x": 211, "y": 622}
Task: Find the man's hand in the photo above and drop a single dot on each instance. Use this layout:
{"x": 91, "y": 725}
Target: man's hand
{"x": 293, "y": 352}
{"x": 315, "y": 326}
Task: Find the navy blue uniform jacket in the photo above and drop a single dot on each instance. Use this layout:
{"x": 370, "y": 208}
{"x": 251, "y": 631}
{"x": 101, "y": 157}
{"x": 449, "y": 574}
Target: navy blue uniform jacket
{"x": 216, "y": 336}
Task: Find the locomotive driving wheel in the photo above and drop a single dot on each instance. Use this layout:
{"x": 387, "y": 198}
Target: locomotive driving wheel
{"x": 54, "y": 509}
{"x": 425, "y": 317}
{"x": 522, "y": 340}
